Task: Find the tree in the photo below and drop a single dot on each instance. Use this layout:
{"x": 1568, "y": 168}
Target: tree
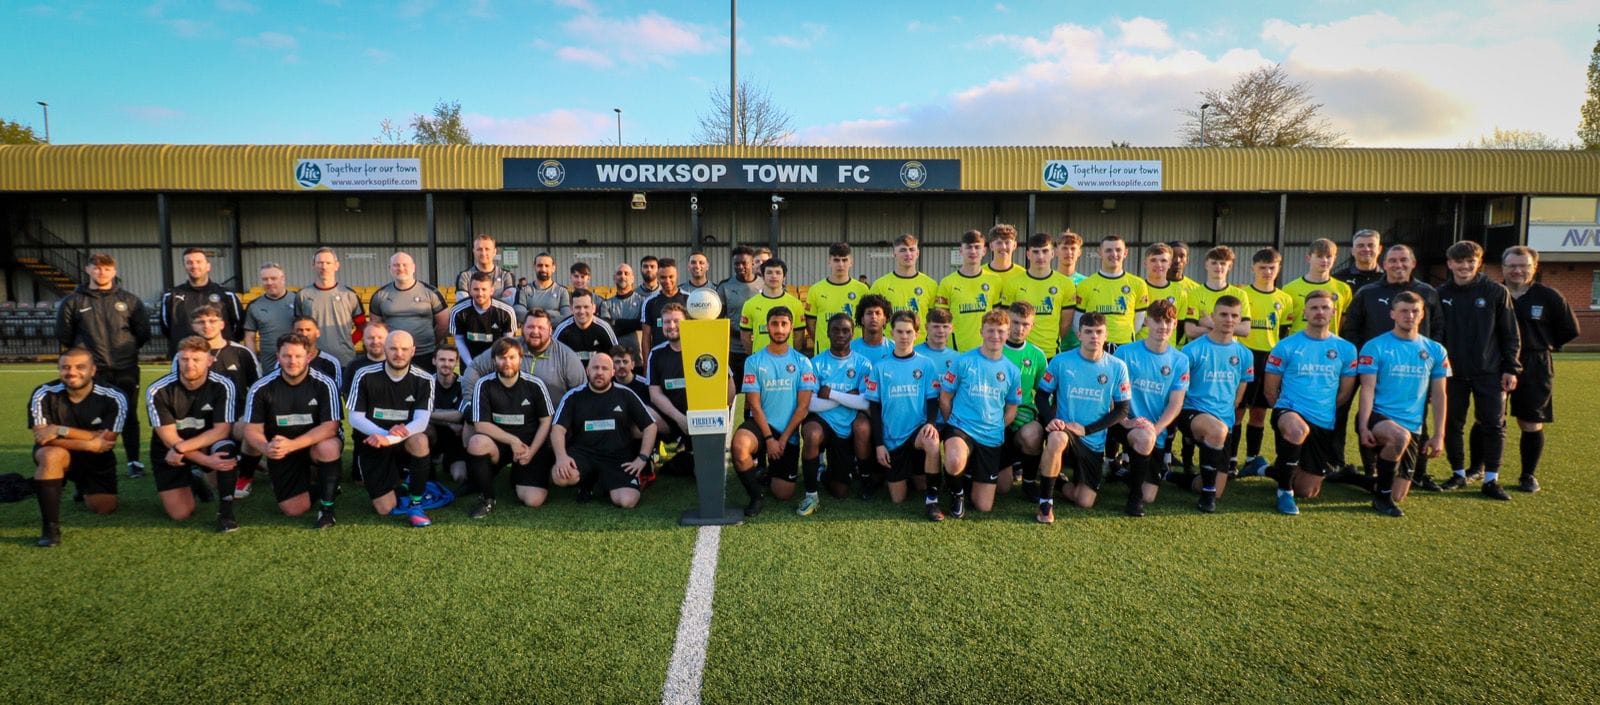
{"x": 1589, "y": 114}
{"x": 761, "y": 122}
{"x": 1516, "y": 139}
{"x": 1263, "y": 108}
{"x": 444, "y": 127}
{"x": 390, "y": 133}
{"x": 17, "y": 133}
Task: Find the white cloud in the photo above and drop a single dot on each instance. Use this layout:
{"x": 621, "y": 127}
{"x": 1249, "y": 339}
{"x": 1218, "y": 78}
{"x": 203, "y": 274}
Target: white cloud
{"x": 650, "y": 38}
{"x": 810, "y": 33}
{"x": 561, "y": 127}
{"x": 1001, "y": 7}
{"x": 1145, "y": 33}
{"x": 579, "y": 55}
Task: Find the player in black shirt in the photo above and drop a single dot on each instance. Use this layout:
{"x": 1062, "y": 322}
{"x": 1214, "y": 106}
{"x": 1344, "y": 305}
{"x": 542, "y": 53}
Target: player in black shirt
{"x": 510, "y": 415}
{"x": 1480, "y": 336}
{"x": 391, "y": 403}
{"x": 584, "y": 332}
{"x": 292, "y": 419}
{"x": 650, "y": 314}
{"x": 191, "y": 431}
{"x": 75, "y": 425}
{"x": 373, "y": 336}
{"x": 318, "y": 361}
{"x": 603, "y": 434}
{"x": 445, "y": 423}
{"x": 627, "y": 368}
{"x": 1364, "y": 269}
{"x": 476, "y": 322}
{"x": 1545, "y": 323}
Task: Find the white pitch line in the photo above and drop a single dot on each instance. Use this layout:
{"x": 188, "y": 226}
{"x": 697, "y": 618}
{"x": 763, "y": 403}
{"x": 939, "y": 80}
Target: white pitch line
{"x": 685, "y": 672}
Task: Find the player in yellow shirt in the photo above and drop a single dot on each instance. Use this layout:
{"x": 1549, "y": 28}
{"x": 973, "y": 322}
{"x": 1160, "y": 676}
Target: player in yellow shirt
{"x": 1051, "y": 293}
{"x": 753, "y": 317}
{"x": 906, "y": 288}
{"x": 1201, "y": 299}
{"x": 839, "y": 293}
{"x": 1319, "y": 275}
{"x": 1002, "y": 254}
{"x": 1157, "y": 265}
{"x": 969, "y": 292}
{"x": 1270, "y": 322}
{"x": 1119, "y": 295}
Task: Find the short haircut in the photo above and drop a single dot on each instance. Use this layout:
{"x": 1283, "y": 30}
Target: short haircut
{"x": 269, "y": 265}
{"x": 375, "y": 323}
{"x": 579, "y": 268}
{"x": 1178, "y": 245}
{"x": 1324, "y": 247}
{"x": 101, "y": 259}
{"x": 1319, "y": 294}
{"x": 446, "y": 349}
{"x": 1227, "y": 300}
{"x": 194, "y": 343}
{"x": 482, "y": 237}
{"x": 1520, "y": 250}
{"x": 193, "y": 251}
{"x": 324, "y": 249}
{"x": 1113, "y": 238}
{"x": 1406, "y": 297}
{"x": 545, "y": 255}
{"x": 839, "y": 249}
{"x": 1398, "y": 247}
{"x": 1069, "y": 238}
{"x": 1161, "y": 310}
{"x": 763, "y": 250}
{"x": 1220, "y": 253}
{"x": 1464, "y": 250}
{"x": 741, "y": 251}
{"x": 618, "y": 352}
{"x": 479, "y": 276}
{"x": 206, "y": 311}
{"x": 907, "y": 316}
{"x": 872, "y": 301}
{"x": 972, "y": 237}
{"x": 940, "y": 314}
{"x": 842, "y": 316}
{"x": 1092, "y": 318}
{"x": 674, "y": 307}
{"x": 775, "y": 263}
{"x": 779, "y": 312}
{"x": 1266, "y": 255}
{"x": 907, "y": 240}
{"x": 288, "y": 339}
{"x": 581, "y": 292}
{"x": 1021, "y": 309}
{"x": 1366, "y": 232}
{"x": 1157, "y": 249}
{"x": 666, "y": 263}
{"x": 537, "y": 313}
{"x": 997, "y": 317}
{"x": 78, "y": 351}
{"x": 504, "y": 344}
{"x": 648, "y": 258}
{"x": 1039, "y": 241}
{"x": 303, "y": 317}
{"x": 1003, "y": 231}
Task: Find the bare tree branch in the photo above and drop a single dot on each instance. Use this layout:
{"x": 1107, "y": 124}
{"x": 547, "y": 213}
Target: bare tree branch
{"x": 761, "y": 122}
{"x": 1263, "y": 108}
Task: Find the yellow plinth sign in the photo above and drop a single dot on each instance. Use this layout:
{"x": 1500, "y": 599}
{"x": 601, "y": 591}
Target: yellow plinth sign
{"x": 705, "y": 375}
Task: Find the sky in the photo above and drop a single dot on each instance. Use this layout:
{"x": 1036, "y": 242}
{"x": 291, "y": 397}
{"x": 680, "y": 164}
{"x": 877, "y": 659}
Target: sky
{"x": 928, "y": 73}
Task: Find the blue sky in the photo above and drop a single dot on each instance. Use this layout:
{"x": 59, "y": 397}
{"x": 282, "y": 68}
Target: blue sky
{"x": 872, "y": 73}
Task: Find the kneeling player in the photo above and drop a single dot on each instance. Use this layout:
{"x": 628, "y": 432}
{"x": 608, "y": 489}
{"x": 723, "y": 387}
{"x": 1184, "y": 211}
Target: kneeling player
{"x": 446, "y": 423}
{"x": 979, "y": 398}
{"x": 510, "y": 416}
{"x": 75, "y": 426}
{"x": 1308, "y": 375}
{"x": 191, "y": 432}
{"x": 902, "y": 396}
{"x": 778, "y": 384}
{"x": 292, "y": 420}
{"x": 594, "y": 426}
{"x": 835, "y": 423}
{"x": 1402, "y": 374}
{"x": 1159, "y": 375}
{"x": 391, "y": 403}
{"x": 1025, "y": 433}
{"x": 1220, "y": 368}
{"x": 1082, "y": 393}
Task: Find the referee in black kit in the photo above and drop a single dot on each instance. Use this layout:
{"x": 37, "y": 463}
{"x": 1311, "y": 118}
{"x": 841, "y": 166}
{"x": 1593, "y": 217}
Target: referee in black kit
{"x": 603, "y": 434}
{"x": 1546, "y": 323}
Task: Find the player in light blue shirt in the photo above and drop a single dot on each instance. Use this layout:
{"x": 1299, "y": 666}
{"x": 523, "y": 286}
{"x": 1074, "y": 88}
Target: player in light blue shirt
{"x": 979, "y": 396}
{"x": 778, "y": 384}
{"x": 1308, "y": 376}
{"x": 1159, "y": 374}
{"x": 872, "y": 314}
{"x": 937, "y": 347}
{"x": 836, "y": 422}
{"x": 1083, "y": 392}
{"x": 903, "y": 399}
{"x": 1402, "y": 373}
{"x": 1219, "y": 369}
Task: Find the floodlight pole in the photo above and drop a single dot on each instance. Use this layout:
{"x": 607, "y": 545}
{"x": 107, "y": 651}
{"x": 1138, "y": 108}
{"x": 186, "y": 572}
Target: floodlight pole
{"x": 1203, "y": 108}
{"x": 733, "y": 73}
{"x": 618, "y": 111}
{"x": 46, "y": 107}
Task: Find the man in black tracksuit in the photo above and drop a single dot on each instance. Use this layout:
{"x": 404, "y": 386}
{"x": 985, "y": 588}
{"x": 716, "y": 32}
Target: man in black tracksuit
{"x": 1480, "y": 333}
{"x": 1368, "y": 317}
{"x": 179, "y": 303}
{"x": 1546, "y": 323}
{"x": 1365, "y": 246}
{"x": 113, "y": 324}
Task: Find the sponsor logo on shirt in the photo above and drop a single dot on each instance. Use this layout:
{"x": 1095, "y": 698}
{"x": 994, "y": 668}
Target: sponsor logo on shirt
{"x": 601, "y": 424}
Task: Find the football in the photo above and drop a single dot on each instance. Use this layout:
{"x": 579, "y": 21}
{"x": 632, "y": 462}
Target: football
{"x": 704, "y": 304}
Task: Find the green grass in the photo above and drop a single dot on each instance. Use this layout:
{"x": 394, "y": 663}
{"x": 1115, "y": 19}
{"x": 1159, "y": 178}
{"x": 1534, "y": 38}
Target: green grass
{"x": 1464, "y": 600}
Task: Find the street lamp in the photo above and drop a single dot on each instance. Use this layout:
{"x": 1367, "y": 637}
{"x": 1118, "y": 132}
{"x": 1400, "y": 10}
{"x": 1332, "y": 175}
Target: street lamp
{"x": 618, "y": 111}
{"x": 1203, "y": 108}
{"x": 46, "y": 107}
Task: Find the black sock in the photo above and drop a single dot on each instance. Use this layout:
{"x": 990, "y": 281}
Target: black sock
{"x": 1231, "y": 449}
{"x": 1288, "y": 461}
{"x": 1369, "y": 459}
{"x": 1532, "y": 450}
{"x": 811, "y": 469}
{"x": 1212, "y": 461}
{"x": 751, "y": 479}
{"x": 1030, "y": 468}
{"x": 958, "y": 485}
{"x": 226, "y": 479}
{"x": 1047, "y": 491}
{"x": 935, "y": 481}
{"x": 328, "y": 483}
{"x": 1252, "y": 440}
{"x": 478, "y": 471}
{"x": 48, "y": 493}
{"x": 1189, "y": 447}
{"x": 1385, "y": 482}
{"x": 421, "y": 469}
{"x": 1138, "y": 471}
{"x": 1182, "y": 479}
{"x": 246, "y": 468}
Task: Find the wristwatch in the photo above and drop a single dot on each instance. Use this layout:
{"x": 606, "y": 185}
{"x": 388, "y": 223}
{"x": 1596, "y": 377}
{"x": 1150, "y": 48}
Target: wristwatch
{"x": 62, "y": 431}
{"x": 644, "y": 458}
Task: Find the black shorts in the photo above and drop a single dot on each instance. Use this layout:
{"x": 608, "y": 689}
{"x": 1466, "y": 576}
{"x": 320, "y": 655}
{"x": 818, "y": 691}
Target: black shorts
{"x": 291, "y": 476}
{"x": 382, "y": 469}
{"x": 1532, "y": 400}
{"x": 1086, "y": 464}
{"x": 905, "y": 461}
{"x": 92, "y": 473}
{"x": 1406, "y": 464}
{"x": 983, "y": 462}
{"x": 1319, "y": 453}
{"x": 534, "y": 474}
{"x": 1185, "y": 419}
{"x": 1255, "y": 396}
{"x": 786, "y": 468}
{"x": 447, "y": 445}
{"x": 841, "y": 452}
{"x": 609, "y": 469}
{"x": 174, "y": 477}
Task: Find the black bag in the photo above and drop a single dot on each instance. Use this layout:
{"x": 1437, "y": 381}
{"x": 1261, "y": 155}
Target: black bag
{"x": 15, "y": 488}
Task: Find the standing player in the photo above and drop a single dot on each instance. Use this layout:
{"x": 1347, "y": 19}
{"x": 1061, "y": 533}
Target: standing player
{"x": 596, "y": 426}
{"x": 1052, "y": 294}
{"x": 937, "y": 345}
{"x": 1178, "y": 274}
{"x": 1159, "y": 376}
{"x": 336, "y": 307}
{"x": 391, "y": 405}
{"x": 650, "y": 312}
{"x": 1024, "y": 435}
{"x": 649, "y": 268}
{"x": 585, "y": 333}
{"x": 510, "y": 414}
{"x": 270, "y": 316}
{"x": 752, "y": 318}
{"x": 669, "y": 394}
{"x": 739, "y": 287}
{"x": 1481, "y": 336}
{"x": 970, "y": 292}
{"x": 317, "y": 359}
{"x": 902, "y": 394}
{"x": 413, "y": 306}
{"x": 1545, "y": 323}
{"x": 1121, "y": 297}
{"x": 551, "y": 361}
{"x": 1157, "y": 265}
{"x": 1318, "y": 276}
{"x": 292, "y": 419}
{"x": 1082, "y": 393}
{"x": 906, "y": 288}
{"x": 872, "y": 316}
{"x": 238, "y": 364}
{"x": 625, "y": 307}
{"x": 75, "y": 424}
{"x": 1304, "y": 372}
{"x": 1365, "y": 246}
{"x": 445, "y": 424}
{"x": 699, "y": 275}
{"x": 1219, "y": 369}
{"x": 837, "y": 422}
{"x": 110, "y": 322}
{"x": 579, "y": 276}
{"x": 191, "y": 433}
{"x": 1069, "y": 247}
{"x": 839, "y": 292}
{"x": 543, "y": 292}
{"x": 1271, "y": 307}
{"x": 1200, "y": 299}
{"x": 502, "y": 283}
{"x": 480, "y": 319}
{"x": 182, "y": 300}
{"x": 373, "y": 336}
{"x": 1402, "y": 374}
{"x": 778, "y": 384}
{"x": 1002, "y": 251}
{"x": 979, "y": 398}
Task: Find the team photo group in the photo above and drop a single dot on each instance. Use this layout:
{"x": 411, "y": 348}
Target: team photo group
{"x": 1013, "y": 372}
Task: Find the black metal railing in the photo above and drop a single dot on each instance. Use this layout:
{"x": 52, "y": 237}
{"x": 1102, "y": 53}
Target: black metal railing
{"x": 35, "y": 241}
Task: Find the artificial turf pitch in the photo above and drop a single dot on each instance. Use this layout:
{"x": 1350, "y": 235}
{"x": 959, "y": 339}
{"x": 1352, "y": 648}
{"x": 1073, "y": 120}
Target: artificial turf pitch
{"x": 1463, "y": 600}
